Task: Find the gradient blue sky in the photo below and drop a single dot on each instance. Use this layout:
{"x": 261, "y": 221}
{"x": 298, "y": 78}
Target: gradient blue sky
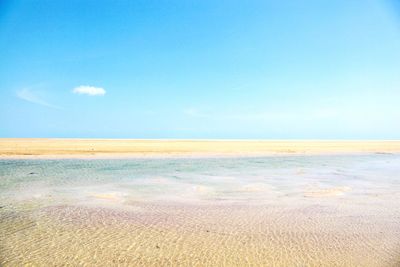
{"x": 201, "y": 69}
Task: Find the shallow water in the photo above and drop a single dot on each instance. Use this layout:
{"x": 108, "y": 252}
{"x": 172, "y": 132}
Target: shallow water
{"x": 279, "y": 211}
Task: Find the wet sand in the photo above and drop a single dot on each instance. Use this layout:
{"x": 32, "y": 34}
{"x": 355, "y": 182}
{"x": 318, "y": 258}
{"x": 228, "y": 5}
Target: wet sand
{"x": 77, "y": 148}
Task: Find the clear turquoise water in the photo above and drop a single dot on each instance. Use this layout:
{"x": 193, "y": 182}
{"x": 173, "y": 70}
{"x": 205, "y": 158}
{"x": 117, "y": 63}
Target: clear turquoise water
{"x": 281, "y": 211}
{"x": 267, "y": 179}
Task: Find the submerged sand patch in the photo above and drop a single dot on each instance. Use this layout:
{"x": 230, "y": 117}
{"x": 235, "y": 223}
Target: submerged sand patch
{"x": 203, "y": 235}
{"x": 328, "y": 192}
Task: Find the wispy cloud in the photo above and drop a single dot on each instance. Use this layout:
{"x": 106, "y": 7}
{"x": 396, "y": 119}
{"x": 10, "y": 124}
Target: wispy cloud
{"x": 30, "y": 96}
{"x": 89, "y": 90}
{"x": 316, "y": 113}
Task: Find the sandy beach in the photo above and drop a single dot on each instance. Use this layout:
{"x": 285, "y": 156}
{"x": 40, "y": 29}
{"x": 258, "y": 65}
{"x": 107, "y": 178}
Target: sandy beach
{"x": 77, "y": 148}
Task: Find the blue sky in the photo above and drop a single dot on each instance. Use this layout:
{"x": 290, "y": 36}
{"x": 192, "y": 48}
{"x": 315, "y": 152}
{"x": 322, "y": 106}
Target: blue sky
{"x": 200, "y": 69}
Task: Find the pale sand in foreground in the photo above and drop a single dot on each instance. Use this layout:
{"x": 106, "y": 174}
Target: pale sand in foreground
{"x": 76, "y": 148}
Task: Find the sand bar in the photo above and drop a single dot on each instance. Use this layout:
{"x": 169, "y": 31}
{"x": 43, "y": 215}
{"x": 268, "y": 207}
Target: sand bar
{"x": 76, "y": 148}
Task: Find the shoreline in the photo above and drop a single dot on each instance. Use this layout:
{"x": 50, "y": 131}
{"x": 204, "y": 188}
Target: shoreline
{"x": 31, "y": 148}
{"x": 114, "y": 156}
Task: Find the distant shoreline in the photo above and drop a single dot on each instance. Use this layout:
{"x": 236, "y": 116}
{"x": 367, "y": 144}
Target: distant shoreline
{"x": 26, "y": 148}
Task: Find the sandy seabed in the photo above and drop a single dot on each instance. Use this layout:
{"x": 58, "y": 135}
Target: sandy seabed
{"x": 199, "y": 235}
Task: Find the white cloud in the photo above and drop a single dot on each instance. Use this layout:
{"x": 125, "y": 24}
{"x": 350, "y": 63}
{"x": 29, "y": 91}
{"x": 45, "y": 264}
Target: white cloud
{"x": 30, "y": 96}
{"x": 89, "y": 90}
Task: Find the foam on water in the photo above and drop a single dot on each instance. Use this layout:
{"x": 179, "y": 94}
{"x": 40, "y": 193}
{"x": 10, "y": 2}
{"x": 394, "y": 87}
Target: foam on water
{"x": 296, "y": 211}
